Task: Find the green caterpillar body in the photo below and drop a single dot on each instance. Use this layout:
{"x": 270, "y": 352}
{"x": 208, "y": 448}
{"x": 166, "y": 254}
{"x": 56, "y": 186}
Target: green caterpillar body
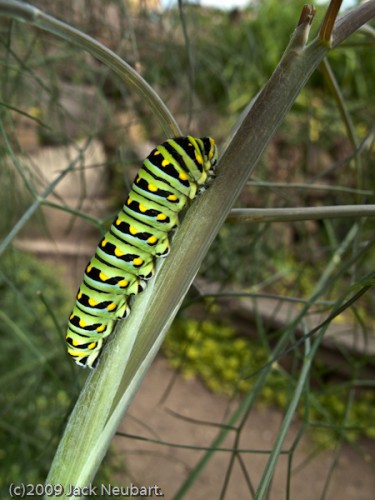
{"x": 173, "y": 173}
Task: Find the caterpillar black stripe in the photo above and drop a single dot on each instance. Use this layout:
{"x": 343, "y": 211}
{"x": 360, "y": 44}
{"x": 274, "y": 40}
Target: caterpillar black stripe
{"x": 173, "y": 173}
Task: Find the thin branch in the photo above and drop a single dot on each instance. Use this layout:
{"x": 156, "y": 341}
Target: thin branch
{"x": 325, "y": 33}
{"x": 326, "y": 68}
{"x": 258, "y": 215}
{"x": 306, "y": 186}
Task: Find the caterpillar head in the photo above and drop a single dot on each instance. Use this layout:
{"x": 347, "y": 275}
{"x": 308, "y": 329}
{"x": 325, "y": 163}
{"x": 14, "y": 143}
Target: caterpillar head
{"x": 209, "y": 156}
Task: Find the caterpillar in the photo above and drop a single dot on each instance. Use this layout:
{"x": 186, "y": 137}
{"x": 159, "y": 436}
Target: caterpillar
{"x": 173, "y": 173}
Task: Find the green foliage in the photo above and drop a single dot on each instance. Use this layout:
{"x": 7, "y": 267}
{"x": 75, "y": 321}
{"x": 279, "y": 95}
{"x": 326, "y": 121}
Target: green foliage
{"x": 228, "y": 364}
{"x": 25, "y": 283}
{"x": 228, "y": 70}
{"x": 211, "y": 351}
{"x": 331, "y": 419}
{"x": 37, "y": 385}
{"x": 34, "y": 427}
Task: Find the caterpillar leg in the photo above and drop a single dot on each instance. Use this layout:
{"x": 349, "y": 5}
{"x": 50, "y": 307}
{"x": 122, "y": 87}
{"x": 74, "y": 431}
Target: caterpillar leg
{"x": 86, "y": 335}
{"x": 85, "y": 352}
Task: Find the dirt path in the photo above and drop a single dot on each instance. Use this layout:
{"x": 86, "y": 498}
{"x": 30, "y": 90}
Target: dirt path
{"x": 148, "y": 464}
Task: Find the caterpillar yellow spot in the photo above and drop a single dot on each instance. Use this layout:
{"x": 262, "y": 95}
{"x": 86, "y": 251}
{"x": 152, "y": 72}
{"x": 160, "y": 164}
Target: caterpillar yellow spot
{"x": 137, "y": 261}
{"x": 156, "y": 152}
{"x": 82, "y": 323}
{"x": 89, "y": 268}
{"x": 75, "y": 342}
{"x": 118, "y": 221}
{"x": 133, "y": 230}
{"x": 142, "y": 208}
{"x": 212, "y": 149}
{"x": 93, "y": 302}
{"x": 129, "y": 201}
{"x": 152, "y": 187}
{"x": 152, "y": 240}
{"x": 104, "y": 242}
{"x": 161, "y": 217}
{"x": 91, "y": 346}
{"x": 73, "y": 353}
{"x": 118, "y": 252}
{"x": 103, "y": 276}
{"x": 100, "y": 328}
{"x": 79, "y": 295}
{"x": 172, "y": 197}
{"x": 183, "y": 176}
{"x": 71, "y": 316}
{"x": 123, "y": 283}
{"x": 111, "y": 307}
{"x": 165, "y": 162}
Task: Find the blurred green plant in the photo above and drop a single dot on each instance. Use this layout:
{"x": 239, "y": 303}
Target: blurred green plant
{"x": 229, "y": 69}
{"x": 36, "y": 391}
{"x": 212, "y": 352}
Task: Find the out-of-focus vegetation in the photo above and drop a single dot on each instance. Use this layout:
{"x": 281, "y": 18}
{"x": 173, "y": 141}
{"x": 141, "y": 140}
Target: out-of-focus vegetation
{"x": 233, "y": 53}
{"x": 37, "y": 385}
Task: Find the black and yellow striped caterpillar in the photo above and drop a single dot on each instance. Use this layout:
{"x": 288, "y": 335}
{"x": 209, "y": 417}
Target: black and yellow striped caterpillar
{"x": 173, "y": 173}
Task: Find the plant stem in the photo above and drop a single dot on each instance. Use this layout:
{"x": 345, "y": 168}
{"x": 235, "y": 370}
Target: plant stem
{"x": 258, "y": 215}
